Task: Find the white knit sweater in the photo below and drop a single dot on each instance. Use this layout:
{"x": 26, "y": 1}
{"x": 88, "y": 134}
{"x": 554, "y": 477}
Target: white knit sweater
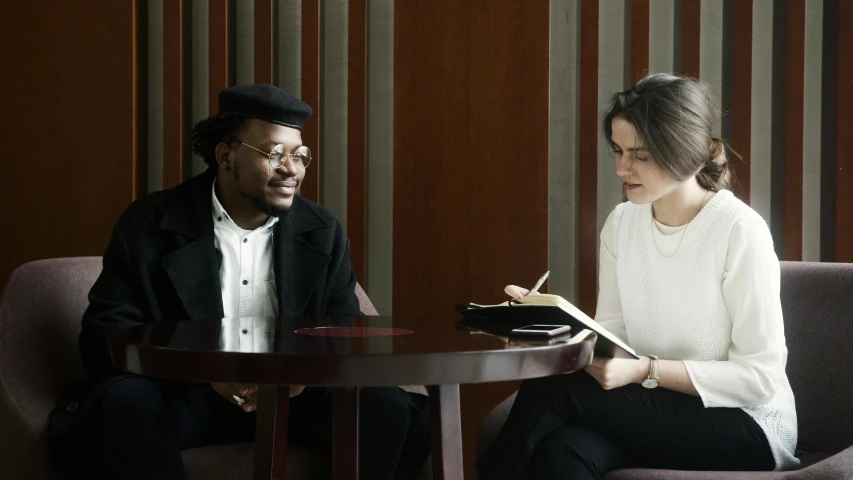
{"x": 712, "y": 301}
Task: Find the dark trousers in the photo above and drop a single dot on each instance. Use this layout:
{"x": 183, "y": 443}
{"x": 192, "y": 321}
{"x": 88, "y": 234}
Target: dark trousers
{"x": 144, "y": 424}
{"x": 569, "y": 427}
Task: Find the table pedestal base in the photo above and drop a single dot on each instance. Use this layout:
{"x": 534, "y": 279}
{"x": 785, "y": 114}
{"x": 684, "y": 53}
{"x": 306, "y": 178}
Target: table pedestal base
{"x": 271, "y": 433}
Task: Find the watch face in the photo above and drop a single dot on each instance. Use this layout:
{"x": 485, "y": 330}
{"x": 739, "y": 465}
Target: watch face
{"x": 650, "y": 383}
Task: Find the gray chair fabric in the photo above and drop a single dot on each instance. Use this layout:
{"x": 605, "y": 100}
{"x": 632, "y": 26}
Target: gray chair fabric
{"x": 40, "y": 313}
{"x": 817, "y": 305}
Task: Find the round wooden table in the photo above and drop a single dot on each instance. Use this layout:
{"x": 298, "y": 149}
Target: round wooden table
{"x": 345, "y": 353}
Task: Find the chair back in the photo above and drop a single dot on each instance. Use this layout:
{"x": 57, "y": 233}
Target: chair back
{"x": 40, "y": 313}
{"x": 817, "y": 305}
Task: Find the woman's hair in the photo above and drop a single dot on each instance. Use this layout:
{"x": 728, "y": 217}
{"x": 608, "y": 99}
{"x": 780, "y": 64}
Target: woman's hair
{"x": 211, "y": 131}
{"x": 673, "y": 117}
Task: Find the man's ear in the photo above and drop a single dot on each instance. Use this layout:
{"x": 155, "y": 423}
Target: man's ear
{"x": 224, "y": 156}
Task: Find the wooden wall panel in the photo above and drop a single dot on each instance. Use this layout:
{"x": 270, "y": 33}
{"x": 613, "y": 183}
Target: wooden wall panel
{"x": 639, "y": 40}
{"x": 220, "y": 49}
{"x": 265, "y": 41}
{"x": 73, "y": 114}
{"x": 844, "y": 154}
{"x": 795, "y": 45}
{"x": 691, "y": 21}
{"x": 176, "y": 95}
{"x": 357, "y": 138}
{"x": 470, "y": 162}
{"x": 741, "y": 96}
{"x": 311, "y": 94}
{"x": 588, "y": 158}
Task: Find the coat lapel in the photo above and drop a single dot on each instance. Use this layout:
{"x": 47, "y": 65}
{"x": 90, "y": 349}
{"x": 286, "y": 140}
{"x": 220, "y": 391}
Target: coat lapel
{"x": 194, "y": 266}
{"x": 299, "y": 266}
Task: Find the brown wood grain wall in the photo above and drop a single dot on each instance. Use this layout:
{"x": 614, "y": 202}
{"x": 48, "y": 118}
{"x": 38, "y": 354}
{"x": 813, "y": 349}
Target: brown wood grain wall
{"x": 795, "y": 45}
{"x": 176, "y": 94}
{"x": 588, "y": 158}
{"x": 691, "y": 22}
{"x": 311, "y": 94}
{"x": 470, "y": 162}
{"x": 265, "y": 42}
{"x": 639, "y": 39}
{"x": 73, "y": 117}
{"x": 844, "y": 154}
{"x": 220, "y": 49}
{"x": 357, "y": 138}
{"x": 741, "y": 95}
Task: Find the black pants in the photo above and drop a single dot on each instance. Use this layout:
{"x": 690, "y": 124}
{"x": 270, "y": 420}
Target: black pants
{"x": 145, "y": 423}
{"x": 569, "y": 427}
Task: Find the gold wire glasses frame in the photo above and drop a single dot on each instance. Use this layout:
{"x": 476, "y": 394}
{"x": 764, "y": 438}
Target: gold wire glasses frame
{"x": 301, "y": 158}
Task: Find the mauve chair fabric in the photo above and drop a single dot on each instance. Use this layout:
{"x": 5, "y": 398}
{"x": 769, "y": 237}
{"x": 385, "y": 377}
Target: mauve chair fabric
{"x": 817, "y": 305}
{"x": 40, "y": 312}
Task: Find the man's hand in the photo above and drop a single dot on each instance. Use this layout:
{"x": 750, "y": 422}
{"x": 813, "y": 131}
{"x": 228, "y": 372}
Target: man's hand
{"x": 617, "y": 372}
{"x": 240, "y": 390}
{"x": 247, "y": 392}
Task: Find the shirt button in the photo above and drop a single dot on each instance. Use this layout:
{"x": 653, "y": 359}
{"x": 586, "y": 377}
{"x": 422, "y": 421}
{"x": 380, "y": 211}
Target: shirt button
{"x": 245, "y": 240}
{"x": 245, "y": 282}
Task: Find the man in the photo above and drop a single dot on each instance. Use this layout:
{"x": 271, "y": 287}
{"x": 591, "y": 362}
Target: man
{"x": 236, "y": 241}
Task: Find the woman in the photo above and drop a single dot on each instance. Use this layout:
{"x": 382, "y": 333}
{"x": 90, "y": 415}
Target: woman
{"x": 689, "y": 278}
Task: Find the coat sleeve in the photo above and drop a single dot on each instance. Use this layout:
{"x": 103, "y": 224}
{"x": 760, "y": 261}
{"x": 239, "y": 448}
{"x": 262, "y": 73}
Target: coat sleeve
{"x": 342, "y": 299}
{"x": 112, "y": 306}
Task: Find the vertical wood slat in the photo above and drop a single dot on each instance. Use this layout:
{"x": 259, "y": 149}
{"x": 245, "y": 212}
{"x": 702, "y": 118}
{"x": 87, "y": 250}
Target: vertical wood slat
{"x": 639, "y": 39}
{"x": 311, "y": 65}
{"x": 265, "y": 42}
{"x": 588, "y": 158}
{"x": 357, "y": 138}
{"x": 795, "y": 45}
{"x": 220, "y": 50}
{"x": 741, "y": 114}
{"x": 691, "y": 16}
{"x": 844, "y": 155}
{"x": 176, "y": 74}
{"x": 139, "y": 152}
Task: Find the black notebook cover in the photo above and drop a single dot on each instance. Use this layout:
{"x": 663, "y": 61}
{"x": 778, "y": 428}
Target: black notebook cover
{"x": 501, "y": 320}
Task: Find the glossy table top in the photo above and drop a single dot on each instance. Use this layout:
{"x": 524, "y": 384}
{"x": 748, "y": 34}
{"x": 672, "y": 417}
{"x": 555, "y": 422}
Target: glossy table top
{"x": 334, "y": 352}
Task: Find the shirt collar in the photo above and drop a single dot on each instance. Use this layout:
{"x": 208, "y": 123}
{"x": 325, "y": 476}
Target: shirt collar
{"x": 221, "y": 215}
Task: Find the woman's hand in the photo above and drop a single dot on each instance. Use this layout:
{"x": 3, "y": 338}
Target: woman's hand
{"x": 517, "y": 293}
{"x": 617, "y": 372}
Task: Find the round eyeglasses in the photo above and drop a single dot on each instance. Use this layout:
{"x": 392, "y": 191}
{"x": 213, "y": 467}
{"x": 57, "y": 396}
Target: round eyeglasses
{"x": 301, "y": 158}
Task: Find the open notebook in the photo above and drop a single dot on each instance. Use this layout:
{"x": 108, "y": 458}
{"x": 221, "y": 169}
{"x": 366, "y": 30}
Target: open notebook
{"x": 544, "y": 309}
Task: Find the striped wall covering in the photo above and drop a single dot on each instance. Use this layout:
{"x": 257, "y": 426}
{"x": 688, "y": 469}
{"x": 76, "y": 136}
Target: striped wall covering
{"x": 460, "y": 144}
{"x": 778, "y": 71}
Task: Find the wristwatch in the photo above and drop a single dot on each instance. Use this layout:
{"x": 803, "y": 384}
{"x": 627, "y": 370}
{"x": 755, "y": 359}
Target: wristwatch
{"x": 652, "y": 380}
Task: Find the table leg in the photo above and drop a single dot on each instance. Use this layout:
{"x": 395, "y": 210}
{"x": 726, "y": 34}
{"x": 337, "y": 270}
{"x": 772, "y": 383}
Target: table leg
{"x": 345, "y": 436}
{"x": 445, "y": 432}
{"x": 271, "y": 432}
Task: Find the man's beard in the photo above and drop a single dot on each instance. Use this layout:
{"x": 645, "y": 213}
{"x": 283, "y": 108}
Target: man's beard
{"x": 262, "y": 206}
{"x": 258, "y": 202}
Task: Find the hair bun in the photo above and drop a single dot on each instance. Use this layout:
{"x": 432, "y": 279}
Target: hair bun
{"x": 716, "y": 172}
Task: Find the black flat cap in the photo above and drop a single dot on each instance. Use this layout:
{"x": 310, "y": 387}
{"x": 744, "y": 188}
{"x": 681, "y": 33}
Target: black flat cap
{"x": 264, "y": 102}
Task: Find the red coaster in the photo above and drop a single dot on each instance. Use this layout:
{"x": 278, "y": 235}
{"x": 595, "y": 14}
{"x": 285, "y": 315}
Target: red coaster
{"x": 353, "y": 331}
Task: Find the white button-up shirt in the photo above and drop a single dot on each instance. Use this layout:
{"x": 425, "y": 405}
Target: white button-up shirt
{"x": 246, "y": 275}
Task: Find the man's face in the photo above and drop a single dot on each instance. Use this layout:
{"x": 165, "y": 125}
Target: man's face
{"x": 270, "y": 191}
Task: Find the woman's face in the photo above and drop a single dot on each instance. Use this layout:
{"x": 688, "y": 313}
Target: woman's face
{"x": 644, "y": 182}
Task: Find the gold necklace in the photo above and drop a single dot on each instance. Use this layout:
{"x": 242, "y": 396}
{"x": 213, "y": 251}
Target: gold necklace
{"x": 683, "y": 232}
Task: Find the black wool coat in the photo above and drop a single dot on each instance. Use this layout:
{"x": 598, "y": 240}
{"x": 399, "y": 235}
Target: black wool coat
{"x": 161, "y": 265}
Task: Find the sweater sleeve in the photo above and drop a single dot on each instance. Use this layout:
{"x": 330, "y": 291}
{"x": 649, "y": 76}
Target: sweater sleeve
{"x": 757, "y": 355}
{"x": 608, "y": 312}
